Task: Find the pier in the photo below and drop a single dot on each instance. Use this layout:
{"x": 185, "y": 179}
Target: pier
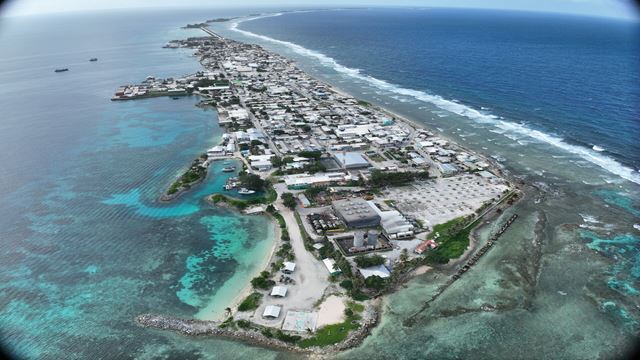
{"x": 211, "y": 33}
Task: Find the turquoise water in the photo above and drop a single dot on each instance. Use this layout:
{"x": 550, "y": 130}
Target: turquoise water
{"x": 562, "y": 281}
{"x": 87, "y": 245}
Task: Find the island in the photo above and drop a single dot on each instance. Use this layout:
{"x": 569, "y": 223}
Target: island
{"x": 364, "y": 199}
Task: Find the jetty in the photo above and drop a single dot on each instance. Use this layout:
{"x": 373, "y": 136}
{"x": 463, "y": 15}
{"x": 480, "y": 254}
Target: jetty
{"x": 471, "y": 262}
{"x": 211, "y": 33}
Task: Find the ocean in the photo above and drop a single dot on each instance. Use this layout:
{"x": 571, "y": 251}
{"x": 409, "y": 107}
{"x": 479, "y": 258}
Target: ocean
{"x": 87, "y": 246}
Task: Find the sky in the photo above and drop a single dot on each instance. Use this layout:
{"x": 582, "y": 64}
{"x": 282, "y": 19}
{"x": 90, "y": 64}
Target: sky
{"x": 607, "y": 8}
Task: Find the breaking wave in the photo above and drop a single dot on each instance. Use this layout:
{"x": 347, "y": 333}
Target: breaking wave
{"x": 452, "y": 106}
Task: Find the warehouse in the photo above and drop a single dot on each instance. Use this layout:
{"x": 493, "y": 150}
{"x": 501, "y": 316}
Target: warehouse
{"x": 351, "y": 160}
{"x": 356, "y": 213}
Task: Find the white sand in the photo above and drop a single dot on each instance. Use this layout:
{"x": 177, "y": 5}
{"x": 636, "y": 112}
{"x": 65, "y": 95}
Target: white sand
{"x": 331, "y": 311}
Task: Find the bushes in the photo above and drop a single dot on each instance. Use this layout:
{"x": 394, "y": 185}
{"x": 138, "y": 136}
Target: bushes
{"x": 375, "y": 282}
{"x": 364, "y": 261}
{"x": 310, "y": 154}
{"x": 287, "y": 338}
{"x": 288, "y": 200}
{"x": 347, "y": 284}
{"x": 244, "y": 324}
{"x": 380, "y": 179}
{"x": 453, "y": 240}
{"x": 251, "y": 181}
{"x": 250, "y": 303}
{"x": 262, "y": 282}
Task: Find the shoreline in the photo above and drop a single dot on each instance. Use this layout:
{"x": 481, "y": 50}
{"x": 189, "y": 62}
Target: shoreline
{"x": 211, "y": 325}
{"x": 247, "y": 289}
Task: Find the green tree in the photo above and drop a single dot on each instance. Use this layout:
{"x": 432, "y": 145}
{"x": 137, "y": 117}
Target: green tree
{"x": 289, "y": 200}
{"x": 276, "y": 161}
{"x": 251, "y": 181}
{"x": 364, "y": 261}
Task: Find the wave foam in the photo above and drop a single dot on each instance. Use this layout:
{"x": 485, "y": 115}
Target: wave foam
{"x": 452, "y": 106}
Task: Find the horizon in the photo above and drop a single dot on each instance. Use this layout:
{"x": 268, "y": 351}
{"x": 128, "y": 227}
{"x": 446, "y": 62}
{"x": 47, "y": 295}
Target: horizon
{"x": 612, "y": 9}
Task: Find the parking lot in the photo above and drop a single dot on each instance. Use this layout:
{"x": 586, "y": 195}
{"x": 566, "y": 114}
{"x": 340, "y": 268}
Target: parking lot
{"x": 440, "y": 200}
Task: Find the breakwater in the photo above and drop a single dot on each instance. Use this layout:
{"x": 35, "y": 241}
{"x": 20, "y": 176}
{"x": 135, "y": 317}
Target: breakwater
{"x": 192, "y": 327}
{"x": 474, "y": 259}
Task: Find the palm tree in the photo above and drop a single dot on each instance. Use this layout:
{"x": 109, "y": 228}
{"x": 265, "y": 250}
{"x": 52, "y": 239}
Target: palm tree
{"x": 227, "y": 311}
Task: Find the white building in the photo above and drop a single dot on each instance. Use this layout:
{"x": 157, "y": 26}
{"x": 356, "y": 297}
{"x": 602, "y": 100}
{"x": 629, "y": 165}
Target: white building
{"x": 271, "y": 311}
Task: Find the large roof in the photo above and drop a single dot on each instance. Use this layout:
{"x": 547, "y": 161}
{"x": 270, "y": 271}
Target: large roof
{"x": 354, "y": 210}
{"x": 271, "y": 311}
{"x": 351, "y": 159}
{"x": 379, "y": 270}
{"x": 279, "y": 291}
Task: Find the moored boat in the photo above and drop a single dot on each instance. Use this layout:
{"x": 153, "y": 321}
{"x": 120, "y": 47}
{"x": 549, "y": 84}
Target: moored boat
{"x": 245, "y": 191}
{"x": 228, "y": 169}
{"x": 93, "y": 59}
{"x": 61, "y": 70}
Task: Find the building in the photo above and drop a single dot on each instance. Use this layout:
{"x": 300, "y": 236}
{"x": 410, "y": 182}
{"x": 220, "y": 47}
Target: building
{"x": 395, "y": 225}
{"x": 423, "y": 246}
{"x": 289, "y": 267}
{"x": 271, "y": 311}
{"x": 379, "y": 270}
{"x": 447, "y": 169}
{"x": 351, "y": 160}
{"x": 331, "y": 266}
{"x": 302, "y": 181}
{"x": 356, "y": 213}
{"x": 279, "y": 291}
{"x": 216, "y": 151}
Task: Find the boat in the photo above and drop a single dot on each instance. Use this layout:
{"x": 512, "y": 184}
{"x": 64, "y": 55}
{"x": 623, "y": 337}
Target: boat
{"x": 61, "y": 70}
{"x": 228, "y": 169}
{"x": 93, "y": 59}
{"x": 176, "y": 98}
{"x": 245, "y": 191}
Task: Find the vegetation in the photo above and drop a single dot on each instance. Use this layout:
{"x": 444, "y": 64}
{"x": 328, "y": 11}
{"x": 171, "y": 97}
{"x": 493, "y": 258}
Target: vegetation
{"x": 453, "y": 240}
{"x": 289, "y": 200}
{"x": 251, "y": 302}
{"x": 276, "y": 161}
{"x": 332, "y": 334}
{"x": 311, "y": 154}
{"x": 251, "y": 181}
{"x": 347, "y": 284}
{"x": 364, "y": 261}
{"x": 287, "y": 338}
{"x": 195, "y": 173}
{"x": 314, "y": 191}
{"x": 379, "y": 178}
{"x": 375, "y": 282}
{"x": 262, "y": 282}
{"x": 244, "y": 324}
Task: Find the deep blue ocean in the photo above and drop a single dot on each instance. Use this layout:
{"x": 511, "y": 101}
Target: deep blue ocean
{"x": 86, "y": 245}
{"x": 574, "y": 77}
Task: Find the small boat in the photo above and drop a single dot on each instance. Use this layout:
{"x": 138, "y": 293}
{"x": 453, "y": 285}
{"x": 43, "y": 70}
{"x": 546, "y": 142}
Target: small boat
{"x": 176, "y": 98}
{"x": 61, "y": 70}
{"x": 245, "y": 191}
{"x": 93, "y": 59}
{"x": 228, "y": 169}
